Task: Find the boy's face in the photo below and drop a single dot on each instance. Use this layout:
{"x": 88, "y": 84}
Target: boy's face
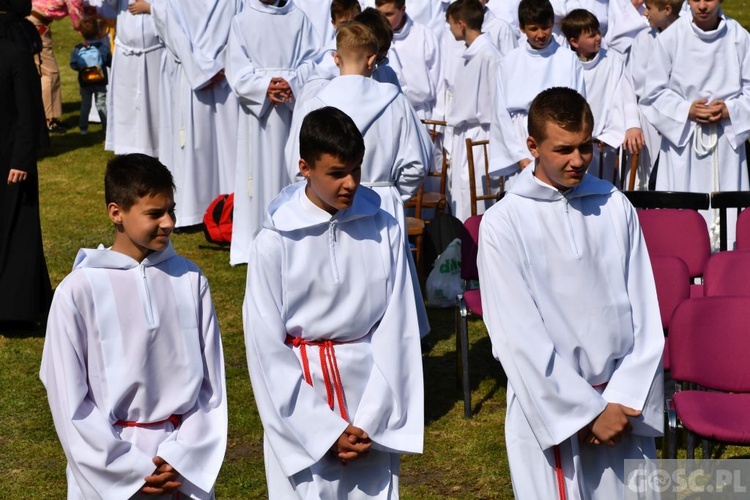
{"x": 331, "y": 183}
{"x": 705, "y": 13}
{"x": 345, "y": 17}
{"x": 539, "y": 36}
{"x": 145, "y": 227}
{"x": 394, "y": 15}
{"x": 658, "y": 18}
{"x": 588, "y": 43}
{"x": 458, "y": 29}
{"x": 562, "y": 157}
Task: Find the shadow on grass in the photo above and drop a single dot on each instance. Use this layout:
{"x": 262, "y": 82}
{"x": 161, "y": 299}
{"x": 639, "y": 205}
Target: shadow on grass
{"x": 442, "y": 383}
{"x": 22, "y": 329}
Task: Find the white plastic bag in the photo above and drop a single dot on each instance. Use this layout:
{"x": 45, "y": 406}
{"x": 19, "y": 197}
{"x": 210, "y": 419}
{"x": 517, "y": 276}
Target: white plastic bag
{"x": 444, "y": 282}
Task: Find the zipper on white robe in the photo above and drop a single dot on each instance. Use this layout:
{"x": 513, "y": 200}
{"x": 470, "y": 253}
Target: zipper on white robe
{"x": 571, "y": 236}
{"x": 149, "y": 309}
{"x": 332, "y": 249}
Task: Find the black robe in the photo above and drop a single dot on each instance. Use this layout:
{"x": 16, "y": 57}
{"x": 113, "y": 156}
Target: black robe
{"x": 25, "y": 290}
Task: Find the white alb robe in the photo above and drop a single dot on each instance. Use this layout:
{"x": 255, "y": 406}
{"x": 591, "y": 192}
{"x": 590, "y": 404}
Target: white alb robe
{"x": 430, "y": 13}
{"x": 501, "y": 33}
{"x": 570, "y": 305}
{"x": 135, "y": 342}
{"x": 625, "y": 23}
{"x": 637, "y": 63}
{"x": 360, "y": 295}
{"x": 264, "y": 42}
{"x": 673, "y": 82}
{"x": 319, "y": 14}
{"x": 415, "y": 57}
{"x": 507, "y": 10}
{"x": 191, "y": 128}
{"x": 609, "y": 92}
{"x": 527, "y": 71}
{"x": 133, "y": 94}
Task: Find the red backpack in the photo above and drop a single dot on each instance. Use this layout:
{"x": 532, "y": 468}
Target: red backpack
{"x": 217, "y": 221}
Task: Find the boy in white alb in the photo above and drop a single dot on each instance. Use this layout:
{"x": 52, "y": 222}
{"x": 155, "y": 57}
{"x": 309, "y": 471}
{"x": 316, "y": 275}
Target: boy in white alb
{"x": 416, "y": 59}
{"x": 336, "y": 430}
{"x": 473, "y": 95}
{"x": 609, "y": 92}
{"x": 265, "y": 54}
{"x": 538, "y": 63}
{"x": 133, "y": 97}
{"x": 132, "y": 361}
{"x": 198, "y": 115}
{"x": 570, "y": 305}
{"x": 660, "y": 14}
{"x": 701, "y": 110}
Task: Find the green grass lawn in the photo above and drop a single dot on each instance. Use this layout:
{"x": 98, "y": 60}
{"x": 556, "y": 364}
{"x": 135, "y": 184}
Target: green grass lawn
{"x": 462, "y": 458}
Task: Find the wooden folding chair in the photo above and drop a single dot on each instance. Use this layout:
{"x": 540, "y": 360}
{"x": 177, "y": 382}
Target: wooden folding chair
{"x": 436, "y": 201}
{"x": 487, "y": 194}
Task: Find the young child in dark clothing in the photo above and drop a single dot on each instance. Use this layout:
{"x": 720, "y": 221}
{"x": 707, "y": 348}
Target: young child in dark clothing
{"x": 91, "y": 59}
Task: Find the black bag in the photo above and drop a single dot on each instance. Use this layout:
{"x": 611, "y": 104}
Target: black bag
{"x": 438, "y": 234}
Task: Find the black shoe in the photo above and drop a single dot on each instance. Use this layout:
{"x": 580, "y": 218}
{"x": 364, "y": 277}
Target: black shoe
{"x": 56, "y": 127}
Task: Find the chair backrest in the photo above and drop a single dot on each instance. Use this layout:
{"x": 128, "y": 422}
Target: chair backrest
{"x": 469, "y": 247}
{"x": 682, "y": 233}
{"x": 709, "y": 342}
{"x": 433, "y": 128}
{"x": 727, "y": 273}
{"x": 668, "y": 199}
{"x": 724, "y": 200}
{"x": 487, "y": 193}
{"x": 743, "y": 230}
{"x": 672, "y": 284}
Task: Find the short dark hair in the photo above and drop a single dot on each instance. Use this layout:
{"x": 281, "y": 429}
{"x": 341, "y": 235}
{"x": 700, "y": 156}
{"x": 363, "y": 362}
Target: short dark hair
{"x": 380, "y": 27}
{"x": 330, "y": 131}
{"x": 539, "y": 12}
{"x": 89, "y": 28}
{"x": 341, "y": 7}
{"x": 471, "y": 12}
{"x": 397, "y": 3}
{"x": 562, "y": 106}
{"x": 133, "y": 176}
{"x": 577, "y": 22}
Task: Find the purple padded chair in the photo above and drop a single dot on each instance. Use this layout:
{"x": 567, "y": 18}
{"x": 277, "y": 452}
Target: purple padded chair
{"x": 672, "y": 287}
{"x": 469, "y": 302}
{"x": 743, "y": 230}
{"x": 727, "y": 273}
{"x": 708, "y": 345}
{"x": 682, "y": 233}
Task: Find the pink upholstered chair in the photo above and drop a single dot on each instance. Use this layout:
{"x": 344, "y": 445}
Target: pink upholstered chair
{"x": 743, "y": 230}
{"x": 727, "y": 273}
{"x": 708, "y": 345}
{"x": 468, "y": 303}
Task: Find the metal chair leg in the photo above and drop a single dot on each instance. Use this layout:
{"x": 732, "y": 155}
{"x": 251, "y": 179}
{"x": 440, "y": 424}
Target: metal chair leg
{"x": 462, "y": 350}
{"x": 690, "y": 445}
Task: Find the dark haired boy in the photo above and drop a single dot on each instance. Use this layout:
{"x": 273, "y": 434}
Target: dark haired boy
{"x": 570, "y": 305}
{"x": 132, "y": 361}
{"x": 92, "y": 78}
{"x": 331, "y": 328}
{"x": 538, "y": 63}
{"x": 609, "y": 91}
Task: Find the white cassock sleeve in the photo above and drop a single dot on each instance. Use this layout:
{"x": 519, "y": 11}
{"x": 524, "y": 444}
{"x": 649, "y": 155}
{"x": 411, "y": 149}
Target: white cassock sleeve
{"x": 196, "y": 449}
{"x": 738, "y": 128}
{"x": 392, "y": 406}
{"x": 635, "y": 382}
{"x": 555, "y": 399}
{"x": 299, "y": 425}
{"x": 250, "y": 86}
{"x": 415, "y": 153}
{"x": 663, "y": 107}
{"x": 104, "y": 466}
{"x": 505, "y": 148}
{"x": 198, "y": 68}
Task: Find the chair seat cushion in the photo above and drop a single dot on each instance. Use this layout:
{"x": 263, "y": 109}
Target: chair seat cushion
{"x": 719, "y": 416}
{"x": 473, "y": 301}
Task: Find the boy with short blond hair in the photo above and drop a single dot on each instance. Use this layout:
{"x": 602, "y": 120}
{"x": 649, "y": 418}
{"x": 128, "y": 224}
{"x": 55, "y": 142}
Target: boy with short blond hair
{"x": 544, "y": 64}
{"x": 133, "y": 362}
{"x": 570, "y": 305}
{"x": 701, "y": 110}
{"x": 351, "y": 374}
{"x": 609, "y": 92}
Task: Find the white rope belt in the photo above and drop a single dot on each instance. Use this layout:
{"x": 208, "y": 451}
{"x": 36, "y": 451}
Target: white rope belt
{"x": 705, "y": 144}
{"x": 378, "y": 184}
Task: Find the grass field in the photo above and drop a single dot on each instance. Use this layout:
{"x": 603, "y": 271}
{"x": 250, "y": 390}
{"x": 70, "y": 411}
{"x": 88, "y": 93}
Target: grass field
{"x": 462, "y": 458}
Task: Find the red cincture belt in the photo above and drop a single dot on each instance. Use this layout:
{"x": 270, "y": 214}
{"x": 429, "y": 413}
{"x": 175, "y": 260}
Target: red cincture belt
{"x": 330, "y": 368}
{"x": 174, "y": 419}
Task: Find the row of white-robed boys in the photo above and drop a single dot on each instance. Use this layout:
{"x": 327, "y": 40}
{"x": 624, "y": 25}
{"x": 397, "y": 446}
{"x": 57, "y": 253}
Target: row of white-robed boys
{"x": 228, "y": 135}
